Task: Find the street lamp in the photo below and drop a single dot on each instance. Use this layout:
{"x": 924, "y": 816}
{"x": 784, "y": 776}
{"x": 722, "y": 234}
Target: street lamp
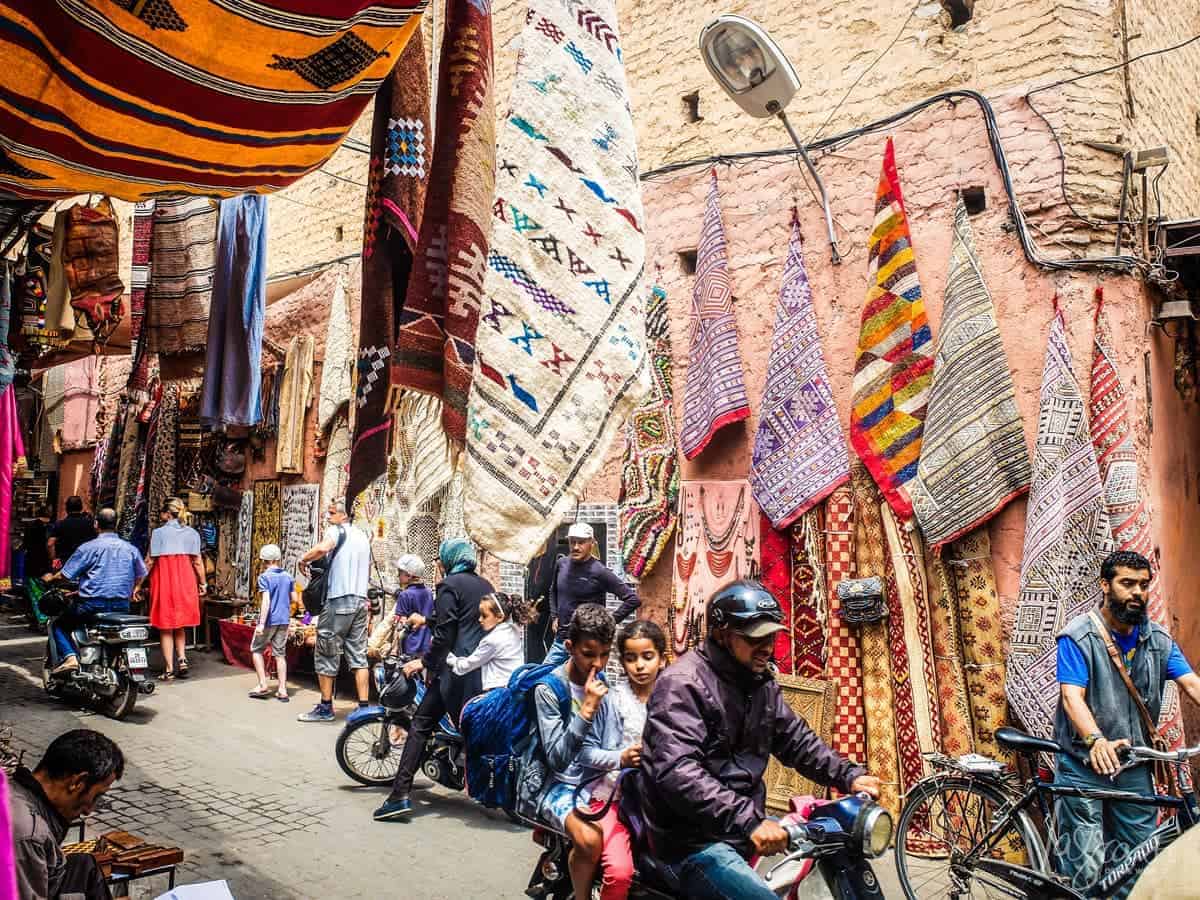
{"x": 753, "y": 71}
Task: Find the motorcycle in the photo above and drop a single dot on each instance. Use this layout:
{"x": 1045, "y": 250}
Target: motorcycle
{"x": 830, "y": 846}
{"x": 370, "y": 745}
{"x": 113, "y": 662}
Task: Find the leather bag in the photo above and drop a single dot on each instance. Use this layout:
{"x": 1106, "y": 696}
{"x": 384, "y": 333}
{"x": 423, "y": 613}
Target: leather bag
{"x": 316, "y": 593}
{"x": 861, "y": 601}
{"x": 91, "y": 263}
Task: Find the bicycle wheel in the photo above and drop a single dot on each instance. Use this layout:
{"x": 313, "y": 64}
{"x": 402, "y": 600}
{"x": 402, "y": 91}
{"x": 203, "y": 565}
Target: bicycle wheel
{"x": 365, "y": 756}
{"x": 943, "y": 818}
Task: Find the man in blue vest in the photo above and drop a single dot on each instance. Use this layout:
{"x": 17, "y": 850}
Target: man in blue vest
{"x": 1097, "y": 716}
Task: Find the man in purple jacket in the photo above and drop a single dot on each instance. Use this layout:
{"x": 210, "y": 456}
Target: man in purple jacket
{"x": 714, "y": 720}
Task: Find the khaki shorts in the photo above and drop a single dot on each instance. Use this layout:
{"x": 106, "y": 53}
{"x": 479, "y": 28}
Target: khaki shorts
{"x": 339, "y": 633}
{"x": 274, "y": 635}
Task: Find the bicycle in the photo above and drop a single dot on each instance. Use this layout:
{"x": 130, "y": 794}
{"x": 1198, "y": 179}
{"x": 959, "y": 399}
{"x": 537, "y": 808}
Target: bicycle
{"x": 969, "y": 830}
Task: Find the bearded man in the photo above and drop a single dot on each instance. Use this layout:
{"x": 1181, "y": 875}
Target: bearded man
{"x": 1097, "y": 716}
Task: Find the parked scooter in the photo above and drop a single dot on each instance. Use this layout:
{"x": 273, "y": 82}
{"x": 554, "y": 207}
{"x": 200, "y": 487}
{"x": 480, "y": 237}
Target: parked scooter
{"x": 113, "y": 662}
{"x": 830, "y": 848}
{"x": 370, "y": 745}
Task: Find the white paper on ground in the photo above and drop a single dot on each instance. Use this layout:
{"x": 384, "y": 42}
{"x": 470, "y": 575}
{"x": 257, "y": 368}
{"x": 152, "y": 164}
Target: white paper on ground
{"x": 208, "y": 890}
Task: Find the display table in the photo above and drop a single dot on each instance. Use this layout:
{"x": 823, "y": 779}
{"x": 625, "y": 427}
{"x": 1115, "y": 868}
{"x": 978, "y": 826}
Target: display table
{"x": 213, "y": 610}
{"x": 235, "y": 644}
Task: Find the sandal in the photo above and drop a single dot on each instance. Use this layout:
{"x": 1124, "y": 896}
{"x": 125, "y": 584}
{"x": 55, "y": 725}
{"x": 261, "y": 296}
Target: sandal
{"x": 167, "y": 675}
{"x": 283, "y": 698}
{"x": 260, "y": 695}
{"x": 182, "y": 667}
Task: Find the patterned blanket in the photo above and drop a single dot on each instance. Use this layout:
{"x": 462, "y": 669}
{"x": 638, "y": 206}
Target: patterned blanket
{"x": 268, "y": 524}
{"x": 810, "y": 603}
{"x": 183, "y": 246}
{"x": 1067, "y": 536}
{"x": 973, "y": 456}
{"x": 843, "y": 662}
{"x": 562, "y": 356}
{"x": 300, "y": 514}
{"x": 775, "y": 573}
{"x": 650, "y": 472}
{"x": 895, "y": 353}
{"x": 952, "y": 706}
{"x": 436, "y": 346}
{"x": 244, "y": 544}
{"x": 799, "y": 449}
{"x": 186, "y": 96}
{"x": 139, "y": 284}
{"x": 715, "y": 395}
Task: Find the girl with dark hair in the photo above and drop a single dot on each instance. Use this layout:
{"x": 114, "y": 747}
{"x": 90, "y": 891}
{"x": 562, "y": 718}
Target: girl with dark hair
{"x": 502, "y": 650}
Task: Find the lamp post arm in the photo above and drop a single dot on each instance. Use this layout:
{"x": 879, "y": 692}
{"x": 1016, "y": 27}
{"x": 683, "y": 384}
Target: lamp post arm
{"x": 833, "y": 247}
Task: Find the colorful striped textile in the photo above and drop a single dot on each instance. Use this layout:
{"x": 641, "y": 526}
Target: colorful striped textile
{"x": 843, "y": 662}
{"x": 1067, "y": 536}
{"x": 973, "y": 457}
{"x": 1128, "y": 512}
{"x": 137, "y": 98}
{"x": 435, "y": 350}
{"x": 799, "y": 449}
{"x": 895, "y": 353}
{"x": 649, "y": 496}
{"x": 953, "y": 707}
{"x": 776, "y": 576}
{"x": 183, "y": 252}
{"x": 562, "y": 349}
{"x": 139, "y": 284}
{"x": 715, "y": 395}
{"x": 809, "y": 598}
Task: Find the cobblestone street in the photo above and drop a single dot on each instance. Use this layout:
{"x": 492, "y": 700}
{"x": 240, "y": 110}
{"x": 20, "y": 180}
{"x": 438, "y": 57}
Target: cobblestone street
{"x": 257, "y": 798}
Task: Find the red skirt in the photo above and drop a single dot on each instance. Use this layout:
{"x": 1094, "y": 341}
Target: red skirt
{"x": 174, "y": 594}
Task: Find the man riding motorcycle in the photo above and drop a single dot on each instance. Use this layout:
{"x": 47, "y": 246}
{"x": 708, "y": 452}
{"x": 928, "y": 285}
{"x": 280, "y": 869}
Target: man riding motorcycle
{"x": 714, "y": 720}
{"x": 109, "y": 571}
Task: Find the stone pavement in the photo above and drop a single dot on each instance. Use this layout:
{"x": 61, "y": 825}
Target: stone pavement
{"x": 255, "y": 797}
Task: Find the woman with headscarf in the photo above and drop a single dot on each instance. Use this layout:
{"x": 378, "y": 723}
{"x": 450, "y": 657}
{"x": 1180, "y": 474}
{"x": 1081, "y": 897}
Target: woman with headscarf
{"x": 456, "y": 630}
{"x": 177, "y": 580}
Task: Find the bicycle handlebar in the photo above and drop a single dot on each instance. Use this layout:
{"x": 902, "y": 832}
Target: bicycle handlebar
{"x": 1177, "y": 756}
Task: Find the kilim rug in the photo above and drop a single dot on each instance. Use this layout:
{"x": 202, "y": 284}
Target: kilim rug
{"x": 882, "y": 756}
{"x": 337, "y": 363}
{"x": 268, "y": 523}
{"x": 973, "y": 456}
{"x": 717, "y": 542}
{"x": 843, "y": 662}
{"x": 183, "y": 247}
{"x": 244, "y": 542}
{"x": 776, "y": 576}
{"x": 895, "y": 352}
{"x": 435, "y": 350}
{"x": 451, "y": 523}
{"x": 395, "y": 199}
{"x": 301, "y": 519}
{"x": 951, "y": 704}
{"x": 295, "y": 396}
{"x": 715, "y": 394}
{"x": 799, "y": 449}
{"x": 194, "y": 447}
{"x": 426, "y": 458}
{"x": 139, "y": 283}
{"x": 162, "y": 464}
{"x": 649, "y": 495}
{"x": 1128, "y": 513}
{"x": 809, "y": 600}
{"x": 337, "y": 462}
{"x": 1067, "y": 536}
{"x": 918, "y": 725}
{"x": 972, "y": 577}
{"x": 245, "y": 95}
{"x": 562, "y": 356}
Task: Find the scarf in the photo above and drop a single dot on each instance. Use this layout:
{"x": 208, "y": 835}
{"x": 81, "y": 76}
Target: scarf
{"x": 895, "y": 356}
{"x": 457, "y": 555}
{"x": 799, "y": 448}
{"x": 715, "y": 394}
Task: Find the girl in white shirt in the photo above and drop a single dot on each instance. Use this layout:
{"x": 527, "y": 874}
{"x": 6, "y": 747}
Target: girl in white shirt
{"x": 502, "y": 650}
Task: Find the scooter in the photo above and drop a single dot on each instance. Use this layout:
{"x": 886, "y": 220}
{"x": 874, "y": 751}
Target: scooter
{"x": 830, "y": 846}
{"x": 370, "y": 745}
{"x": 113, "y": 663}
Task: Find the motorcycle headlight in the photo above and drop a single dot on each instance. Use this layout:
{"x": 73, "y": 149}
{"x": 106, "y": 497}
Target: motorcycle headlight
{"x": 134, "y": 633}
{"x": 876, "y": 832}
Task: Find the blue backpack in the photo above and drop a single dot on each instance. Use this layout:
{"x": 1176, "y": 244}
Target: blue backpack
{"x": 500, "y": 728}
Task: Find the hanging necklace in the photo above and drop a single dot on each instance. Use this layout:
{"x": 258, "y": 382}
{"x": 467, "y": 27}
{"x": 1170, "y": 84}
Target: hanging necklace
{"x": 719, "y": 562}
{"x": 722, "y": 541}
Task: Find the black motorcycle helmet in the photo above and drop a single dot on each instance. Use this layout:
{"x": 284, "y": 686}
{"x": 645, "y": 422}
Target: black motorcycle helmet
{"x": 747, "y": 607}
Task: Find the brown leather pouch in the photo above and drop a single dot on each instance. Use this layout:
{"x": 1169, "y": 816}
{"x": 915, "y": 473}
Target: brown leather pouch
{"x": 91, "y": 264}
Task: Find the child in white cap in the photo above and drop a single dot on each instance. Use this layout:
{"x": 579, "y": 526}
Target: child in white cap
{"x": 275, "y": 587}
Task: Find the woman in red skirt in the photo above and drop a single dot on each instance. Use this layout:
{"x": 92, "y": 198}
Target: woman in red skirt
{"x": 176, "y": 582}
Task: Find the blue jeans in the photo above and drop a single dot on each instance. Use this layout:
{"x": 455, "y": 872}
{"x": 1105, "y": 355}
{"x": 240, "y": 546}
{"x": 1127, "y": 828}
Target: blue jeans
{"x": 77, "y": 615}
{"x": 718, "y": 872}
{"x": 1089, "y": 831}
{"x": 557, "y": 654}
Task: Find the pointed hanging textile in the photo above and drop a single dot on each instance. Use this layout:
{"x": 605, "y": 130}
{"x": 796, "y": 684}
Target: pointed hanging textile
{"x": 973, "y": 457}
{"x": 809, "y": 601}
{"x": 776, "y": 577}
{"x": 799, "y": 450}
{"x": 435, "y": 349}
{"x": 650, "y": 472}
{"x": 715, "y": 395}
{"x": 562, "y": 346}
{"x": 895, "y": 353}
{"x": 843, "y": 662}
{"x": 1067, "y": 536}
{"x": 1128, "y": 513}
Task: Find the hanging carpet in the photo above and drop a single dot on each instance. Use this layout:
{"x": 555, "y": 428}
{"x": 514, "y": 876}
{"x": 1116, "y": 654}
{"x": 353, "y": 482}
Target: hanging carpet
{"x": 268, "y": 523}
{"x": 809, "y": 600}
{"x": 139, "y": 285}
{"x": 776, "y": 576}
{"x": 1067, "y": 536}
{"x": 300, "y": 516}
{"x": 295, "y": 396}
{"x": 338, "y": 361}
{"x": 799, "y": 449}
{"x": 843, "y": 661}
{"x": 244, "y": 544}
{"x": 163, "y": 455}
{"x": 973, "y": 457}
{"x": 562, "y": 356}
{"x": 337, "y": 462}
{"x": 715, "y": 393}
{"x": 952, "y": 706}
{"x": 435, "y": 350}
{"x": 649, "y": 496}
{"x": 183, "y": 248}
{"x": 895, "y": 352}
{"x": 135, "y": 99}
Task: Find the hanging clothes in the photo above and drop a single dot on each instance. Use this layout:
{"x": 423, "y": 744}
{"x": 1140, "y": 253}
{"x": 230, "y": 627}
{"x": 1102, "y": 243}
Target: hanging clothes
{"x": 81, "y": 403}
{"x": 183, "y": 245}
{"x": 12, "y": 458}
{"x": 295, "y": 396}
{"x": 235, "y": 326}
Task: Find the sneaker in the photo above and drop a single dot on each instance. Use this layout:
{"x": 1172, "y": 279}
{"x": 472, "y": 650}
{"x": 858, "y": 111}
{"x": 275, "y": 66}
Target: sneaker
{"x": 393, "y": 809}
{"x": 70, "y": 664}
{"x": 319, "y": 713}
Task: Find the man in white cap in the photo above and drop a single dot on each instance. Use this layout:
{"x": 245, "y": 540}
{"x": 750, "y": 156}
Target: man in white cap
{"x": 414, "y": 602}
{"x": 581, "y": 578}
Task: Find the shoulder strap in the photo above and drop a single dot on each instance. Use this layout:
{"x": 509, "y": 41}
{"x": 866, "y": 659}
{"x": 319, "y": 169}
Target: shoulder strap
{"x": 341, "y": 540}
{"x": 1119, "y": 664}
